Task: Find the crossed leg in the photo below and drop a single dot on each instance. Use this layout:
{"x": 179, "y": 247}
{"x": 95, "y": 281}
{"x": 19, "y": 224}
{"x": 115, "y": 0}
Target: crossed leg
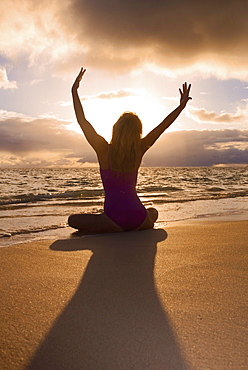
{"x": 90, "y": 223}
{"x": 151, "y": 218}
{"x": 101, "y": 223}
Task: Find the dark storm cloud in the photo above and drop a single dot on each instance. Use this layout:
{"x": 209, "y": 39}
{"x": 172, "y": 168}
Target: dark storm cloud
{"x": 173, "y": 33}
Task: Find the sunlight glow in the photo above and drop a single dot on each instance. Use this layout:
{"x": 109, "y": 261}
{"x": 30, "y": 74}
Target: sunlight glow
{"x": 103, "y": 113}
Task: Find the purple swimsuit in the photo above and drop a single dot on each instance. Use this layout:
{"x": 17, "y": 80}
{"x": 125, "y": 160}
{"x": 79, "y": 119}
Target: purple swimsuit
{"x": 122, "y": 204}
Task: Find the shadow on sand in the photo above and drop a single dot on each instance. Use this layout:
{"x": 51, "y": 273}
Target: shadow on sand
{"x": 115, "y": 319}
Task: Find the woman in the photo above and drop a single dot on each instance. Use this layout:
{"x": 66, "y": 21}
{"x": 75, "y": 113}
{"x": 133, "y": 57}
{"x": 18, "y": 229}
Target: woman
{"x": 119, "y": 163}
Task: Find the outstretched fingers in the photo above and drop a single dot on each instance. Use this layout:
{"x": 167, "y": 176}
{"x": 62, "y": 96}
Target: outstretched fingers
{"x": 78, "y": 79}
{"x": 81, "y": 73}
{"x": 186, "y": 89}
{"x": 184, "y": 93}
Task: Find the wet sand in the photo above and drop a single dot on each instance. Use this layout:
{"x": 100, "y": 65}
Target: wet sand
{"x": 173, "y": 298}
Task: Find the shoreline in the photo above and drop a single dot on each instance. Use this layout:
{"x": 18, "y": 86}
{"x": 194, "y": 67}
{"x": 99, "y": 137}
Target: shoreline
{"x": 174, "y": 297}
{"x": 210, "y": 219}
{"x": 66, "y": 232}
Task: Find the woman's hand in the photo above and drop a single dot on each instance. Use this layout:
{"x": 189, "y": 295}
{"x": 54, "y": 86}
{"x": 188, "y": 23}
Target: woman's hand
{"x": 75, "y": 86}
{"x": 185, "y": 94}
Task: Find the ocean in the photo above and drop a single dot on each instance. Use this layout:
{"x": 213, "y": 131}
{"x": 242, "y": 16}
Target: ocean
{"x": 35, "y": 203}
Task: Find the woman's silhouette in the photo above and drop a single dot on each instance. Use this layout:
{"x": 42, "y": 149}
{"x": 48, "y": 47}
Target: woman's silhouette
{"x": 119, "y": 163}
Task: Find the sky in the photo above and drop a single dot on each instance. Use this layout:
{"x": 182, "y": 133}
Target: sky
{"x": 137, "y": 54}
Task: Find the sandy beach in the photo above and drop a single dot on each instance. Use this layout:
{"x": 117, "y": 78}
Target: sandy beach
{"x": 173, "y": 298}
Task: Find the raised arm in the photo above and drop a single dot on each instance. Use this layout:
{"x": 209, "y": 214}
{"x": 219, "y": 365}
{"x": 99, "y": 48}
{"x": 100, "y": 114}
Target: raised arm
{"x": 150, "y": 139}
{"x": 97, "y": 142}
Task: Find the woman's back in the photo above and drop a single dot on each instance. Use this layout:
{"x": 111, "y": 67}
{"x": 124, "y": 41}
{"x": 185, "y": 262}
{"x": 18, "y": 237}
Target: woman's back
{"x": 122, "y": 204}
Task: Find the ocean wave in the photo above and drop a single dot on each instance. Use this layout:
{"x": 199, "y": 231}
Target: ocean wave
{"x": 90, "y": 198}
{"x": 32, "y": 198}
{"x": 212, "y": 196}
{"x": 83, "y": 186}
{"x": 160, "y": 188}
{"x": 216, "y": 189}
{"x": 4, "y": 234}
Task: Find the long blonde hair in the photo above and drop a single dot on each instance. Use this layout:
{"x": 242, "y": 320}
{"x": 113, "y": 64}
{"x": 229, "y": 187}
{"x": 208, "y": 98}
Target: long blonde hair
{"x": 125, "y": 153}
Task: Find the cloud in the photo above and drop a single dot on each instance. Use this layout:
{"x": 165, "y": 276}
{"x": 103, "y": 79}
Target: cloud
{"x": 122, "y": 35}
{"x": 45, "y": 142}
{"x": 4, "y": 81}
{"x": 199, "y": 148}
{"x": 173, "y": 34}
{"x": 35, "y": 81}
{"x": 121, "y": 93}
{"x": 27, "y": 141}
{"x": 202, "y": 115}
{"x": 30, "y": 30}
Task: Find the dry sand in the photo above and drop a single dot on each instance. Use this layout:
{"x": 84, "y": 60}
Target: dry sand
{"x": 155, "y": 299}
